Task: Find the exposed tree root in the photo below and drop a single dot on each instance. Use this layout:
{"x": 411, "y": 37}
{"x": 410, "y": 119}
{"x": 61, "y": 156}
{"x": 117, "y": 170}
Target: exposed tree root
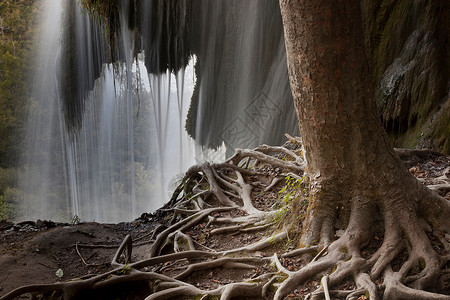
{"x": 219, "y": 201}
{"x": 83, "y": 260}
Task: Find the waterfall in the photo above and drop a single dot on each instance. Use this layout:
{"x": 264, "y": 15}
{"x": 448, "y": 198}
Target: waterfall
{"x": 44, "y": 175}
{"x": 129, "y": 143}
{"x": 242, "y": 96}
{"x": 106, "y": 135}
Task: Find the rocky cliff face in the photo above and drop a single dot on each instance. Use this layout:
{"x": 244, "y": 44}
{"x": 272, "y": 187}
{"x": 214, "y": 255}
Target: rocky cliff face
{"x": 407, "y": 46}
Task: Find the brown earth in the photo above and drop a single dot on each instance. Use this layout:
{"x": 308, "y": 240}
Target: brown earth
{"x": 33, "y": 252}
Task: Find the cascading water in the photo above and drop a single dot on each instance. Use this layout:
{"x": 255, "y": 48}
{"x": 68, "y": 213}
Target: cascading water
{"x": 116, "y": 163}
{"x": 44, "y": 177}
{"x": 107, "y": 134}
{"x": 129, "y": 143}
{"x": 242, "y": 96}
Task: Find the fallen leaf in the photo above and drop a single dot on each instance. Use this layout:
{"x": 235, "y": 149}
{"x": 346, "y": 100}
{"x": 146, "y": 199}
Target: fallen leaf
{"x": 59, "y": 273}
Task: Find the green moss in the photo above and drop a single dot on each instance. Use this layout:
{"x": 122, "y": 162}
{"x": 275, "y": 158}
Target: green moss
{"x": 387, "y": 20}
{"x": 106, "y": 12}
{"x": 410, "y": 34}
{"x": 409, "y": 139}
{"x": 333, "y": 269}
{"x": 422, "y": 264}
{"x": 439, "y": 131}
{"x": 183, "y": 244}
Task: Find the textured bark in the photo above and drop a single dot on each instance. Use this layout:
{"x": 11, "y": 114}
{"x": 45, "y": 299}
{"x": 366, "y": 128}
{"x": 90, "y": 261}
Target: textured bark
{"x": 358, "y": 182}
{"x": 350, "y": 160}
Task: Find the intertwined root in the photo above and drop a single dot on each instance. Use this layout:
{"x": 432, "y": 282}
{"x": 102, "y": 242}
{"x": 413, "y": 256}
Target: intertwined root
{"x": 374, "y": 276}
{"x": 231, "y": 199}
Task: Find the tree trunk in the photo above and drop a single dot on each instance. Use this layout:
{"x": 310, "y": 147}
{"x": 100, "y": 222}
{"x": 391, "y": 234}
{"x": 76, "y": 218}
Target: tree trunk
{"x": 355, "y": 173}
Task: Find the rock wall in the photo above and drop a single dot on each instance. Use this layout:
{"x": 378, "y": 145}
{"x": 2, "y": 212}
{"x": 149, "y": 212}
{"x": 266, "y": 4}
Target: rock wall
{"x": 407, "y": 46}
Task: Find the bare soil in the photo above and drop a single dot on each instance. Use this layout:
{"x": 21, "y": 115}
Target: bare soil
{"x": 32, "y": 252}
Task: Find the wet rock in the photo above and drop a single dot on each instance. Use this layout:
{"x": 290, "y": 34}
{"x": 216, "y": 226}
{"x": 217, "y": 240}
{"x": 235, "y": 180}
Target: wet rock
{"x": 5, "y": 225}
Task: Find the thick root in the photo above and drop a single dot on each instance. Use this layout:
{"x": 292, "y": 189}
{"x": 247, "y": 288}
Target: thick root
{"x": 217, "y": 201}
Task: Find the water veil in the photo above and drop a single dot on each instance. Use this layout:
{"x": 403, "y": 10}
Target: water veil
{"x": 131, "y": 140}
{"x": 118, "y": 103}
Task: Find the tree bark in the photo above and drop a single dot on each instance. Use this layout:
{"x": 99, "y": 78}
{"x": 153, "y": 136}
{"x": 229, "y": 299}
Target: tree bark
{"x": 355, "y": 173}
{"x": 348, "y": 152}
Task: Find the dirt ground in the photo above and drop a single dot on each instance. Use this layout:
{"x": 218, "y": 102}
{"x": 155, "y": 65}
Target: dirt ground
{"x": 37, "y": 252}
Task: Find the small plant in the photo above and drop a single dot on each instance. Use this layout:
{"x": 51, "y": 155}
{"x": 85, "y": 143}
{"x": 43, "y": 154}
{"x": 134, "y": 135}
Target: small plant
{"x": 272, "y": 239}
{"x": 273, "y": 266}
{"x": 292, "y": 189}
{"x": 279, "y": 215}
{"x": 124, "y": 270}
{"x": 286, "y": 194}
{"x": 289, "y": 190}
